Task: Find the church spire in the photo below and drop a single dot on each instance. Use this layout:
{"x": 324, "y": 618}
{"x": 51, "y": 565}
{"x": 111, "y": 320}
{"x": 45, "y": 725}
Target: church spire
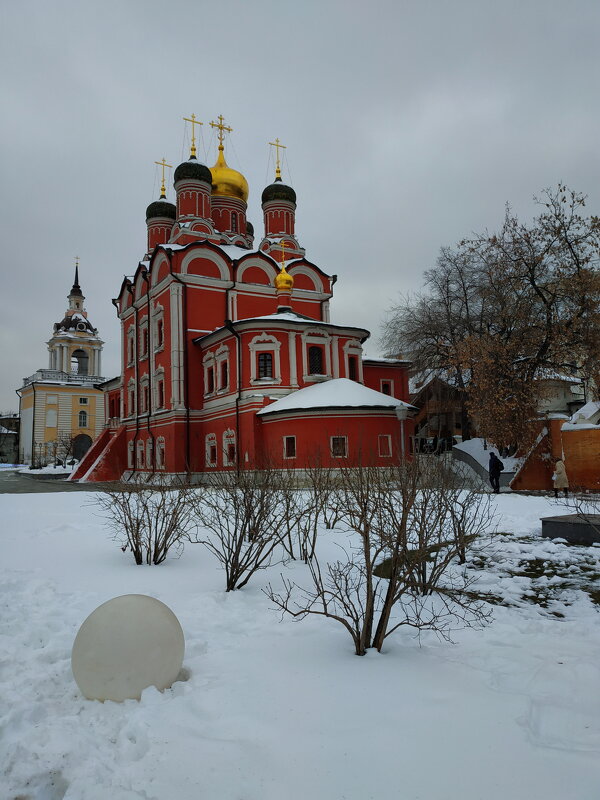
{"x": 76, "y": 289}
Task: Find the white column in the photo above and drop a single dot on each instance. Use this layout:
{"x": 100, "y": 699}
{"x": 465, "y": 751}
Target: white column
{"x": 292, "y": 353}
{"x": 177, "y": 343}
{"x": 336, "y": 356}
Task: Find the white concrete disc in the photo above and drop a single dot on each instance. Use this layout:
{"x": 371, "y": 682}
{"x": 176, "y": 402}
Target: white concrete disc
{"x": 125, "y": 645}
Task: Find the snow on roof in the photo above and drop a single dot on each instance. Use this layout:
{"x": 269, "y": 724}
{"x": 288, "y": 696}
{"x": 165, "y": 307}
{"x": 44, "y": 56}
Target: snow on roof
{"x": 589, "y": 413}
{"x": 384, "y": 360}
{"x": 551, "y": 375}
{"x": 235, "y": 251}
{"x": 292, "y": 316}
{"x": 4, "y": 430}
{"x": 336, "y": 393}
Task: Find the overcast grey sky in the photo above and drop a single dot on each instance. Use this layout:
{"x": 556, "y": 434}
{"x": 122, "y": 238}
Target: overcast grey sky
{"x": 408, "y": 126}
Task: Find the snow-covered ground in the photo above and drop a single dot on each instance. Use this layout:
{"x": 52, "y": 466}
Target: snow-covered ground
{"x": 284, "y": 710}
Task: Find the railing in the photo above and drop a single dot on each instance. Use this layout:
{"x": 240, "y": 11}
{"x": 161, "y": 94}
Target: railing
{"x": 466, "y": 458}
{"x": 58, "y": 376}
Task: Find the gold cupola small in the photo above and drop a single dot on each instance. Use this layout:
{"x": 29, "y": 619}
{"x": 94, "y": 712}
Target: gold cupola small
{"x": 283, "y": 281}
{"x": 226, "y": 182}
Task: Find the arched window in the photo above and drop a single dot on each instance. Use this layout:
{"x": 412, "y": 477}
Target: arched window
{"x": 79, "y": 362}
{"x": 83, "y": 419}
{"x": 315, "y": 360}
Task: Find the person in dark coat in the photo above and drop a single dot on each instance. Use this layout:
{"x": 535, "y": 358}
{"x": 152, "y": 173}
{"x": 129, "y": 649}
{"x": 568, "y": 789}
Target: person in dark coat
{"x": 495, "y": 468}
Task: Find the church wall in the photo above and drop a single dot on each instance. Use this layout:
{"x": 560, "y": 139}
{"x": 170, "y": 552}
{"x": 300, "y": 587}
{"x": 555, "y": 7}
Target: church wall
{"x": 375, "y": 376}
{"x": 313, "y": 434}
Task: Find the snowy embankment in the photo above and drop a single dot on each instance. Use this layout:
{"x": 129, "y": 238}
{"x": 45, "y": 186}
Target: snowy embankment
{"x": 478, "y": 450}
{"x": 284, "y": 710}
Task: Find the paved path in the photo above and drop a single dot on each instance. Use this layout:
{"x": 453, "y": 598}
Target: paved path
{"x": 13, "y": 482}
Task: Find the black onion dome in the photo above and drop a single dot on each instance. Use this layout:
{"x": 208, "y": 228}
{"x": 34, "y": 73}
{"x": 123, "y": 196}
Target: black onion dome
{"x": 278, "y": 191}
{"x": 192, "y": 170}
{"x": 75, "y": 322}
{"x": 160, "y": 208}
{"x": 249, "y": 228}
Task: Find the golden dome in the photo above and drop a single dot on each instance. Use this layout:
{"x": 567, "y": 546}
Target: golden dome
{"x": 283, "y": 281}
{"x": 227, "y": 182}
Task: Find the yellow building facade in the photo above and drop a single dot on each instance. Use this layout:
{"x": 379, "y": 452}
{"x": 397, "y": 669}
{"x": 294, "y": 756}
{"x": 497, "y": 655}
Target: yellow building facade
{"x": 61, "y": 407}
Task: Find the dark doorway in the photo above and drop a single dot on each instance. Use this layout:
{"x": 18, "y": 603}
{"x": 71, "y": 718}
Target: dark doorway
{"x": 81, "y": 444}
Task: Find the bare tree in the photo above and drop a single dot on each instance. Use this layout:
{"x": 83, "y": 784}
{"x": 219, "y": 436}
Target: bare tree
{"x": 242, "y": 521}
{"x": 148, "y": 520}
{"x": 409, "y": 528}
{"x": 500, "y": 311}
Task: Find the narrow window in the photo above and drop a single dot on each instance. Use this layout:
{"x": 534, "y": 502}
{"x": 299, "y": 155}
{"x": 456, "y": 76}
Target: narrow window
{"x": 234, "y": 225}
{"x": 145, "y": 399}
{"x": 315, "y": 360}
{"x": 265, "y": 365}
{"x": 224, "y": 374}
{"x": 339, "y": 446}
{"x": 159, "y": 333}
{"x": 83, "y": 419}
{"x": 385, "y": 446}
{"x": 352, "y": 369}
{"x": 160, "y": 394}
{"x": 230, "y": 453}
{"x": 289, "y": 446}
{"x": 212, "y": 454}
{"x": 386, "y": 387}
{"x": 211, "y": 380}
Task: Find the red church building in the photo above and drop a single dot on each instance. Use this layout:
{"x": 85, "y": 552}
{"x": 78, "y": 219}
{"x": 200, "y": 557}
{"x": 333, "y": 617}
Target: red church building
{"x": 229, "y": 358}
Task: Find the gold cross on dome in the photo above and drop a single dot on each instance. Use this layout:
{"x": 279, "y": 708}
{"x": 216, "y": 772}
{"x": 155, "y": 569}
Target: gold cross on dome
{"x": 282, "y": 244}
{"x": 194, "y": 122}
{"x": 222, "y": 127}
{"x": 277, "y": 145}
{"x": 163, "y": 190}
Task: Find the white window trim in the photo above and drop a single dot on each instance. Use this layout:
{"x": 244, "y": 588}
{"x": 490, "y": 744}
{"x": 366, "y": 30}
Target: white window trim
{"x": 143, "y": 326}
{"x": 130, "y": 459}
{"x": 158, "y": 315}
{"x": 228, "y": 438}
{"x": 345, "y": 438}
{"x": 322, "y": 338}
{"x": 221, "y": 355}
{"x": 149, "y": 452}
{"x": 160, "y": 453}
{"x": 210, "y": 440}
{"x": 265, "y": 343}
{"x": 209, "y": 362}
{"x": 131, "y": 398}
{"x": 391, "y": 383}
{"x": 381, "y": 436}
{"x": 141, "y": 450}
{"x": 353, "y": 348}
{"x": 145, "y": 384}
{"x": 159, "y": 376}
{"x": 286, "y": 457}
{"x": 131, "y": 345}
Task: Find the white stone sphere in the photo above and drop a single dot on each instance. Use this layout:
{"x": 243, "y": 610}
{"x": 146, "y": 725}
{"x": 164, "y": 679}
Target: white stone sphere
{"x": 125, "y": 645}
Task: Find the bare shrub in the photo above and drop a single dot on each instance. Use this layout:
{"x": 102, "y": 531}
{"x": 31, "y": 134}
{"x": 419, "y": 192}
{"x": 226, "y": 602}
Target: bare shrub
{"x": 409, "y": 528}
{"x": 243, "y": 519}
{"x": 148, "y": 519}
